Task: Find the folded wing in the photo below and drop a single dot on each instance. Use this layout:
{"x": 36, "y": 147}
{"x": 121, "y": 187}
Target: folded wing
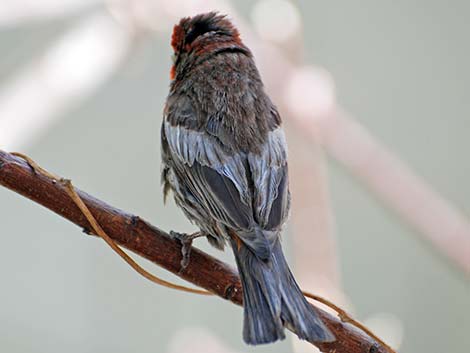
{"x": 245, "y": 192}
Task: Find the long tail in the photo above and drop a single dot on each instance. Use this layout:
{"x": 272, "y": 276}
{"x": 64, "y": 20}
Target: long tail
{"x": 272, "y": 300}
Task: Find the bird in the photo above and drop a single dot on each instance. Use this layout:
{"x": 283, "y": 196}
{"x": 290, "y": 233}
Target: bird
{"x": 224, "y": 158}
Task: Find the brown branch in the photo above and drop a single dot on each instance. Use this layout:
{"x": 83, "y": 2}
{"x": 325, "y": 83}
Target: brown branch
{"x": 155, "y": 245}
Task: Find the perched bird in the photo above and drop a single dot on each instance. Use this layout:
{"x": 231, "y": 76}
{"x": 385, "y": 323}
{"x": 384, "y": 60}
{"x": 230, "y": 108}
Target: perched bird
{"x": 225, "y": 159}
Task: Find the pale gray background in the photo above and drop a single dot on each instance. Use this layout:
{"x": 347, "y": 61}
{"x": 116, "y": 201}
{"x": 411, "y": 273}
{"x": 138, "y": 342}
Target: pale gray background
{"x": 401, "y": 67}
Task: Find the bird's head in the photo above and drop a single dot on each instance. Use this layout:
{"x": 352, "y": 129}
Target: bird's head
{"x": 202, "y": 34}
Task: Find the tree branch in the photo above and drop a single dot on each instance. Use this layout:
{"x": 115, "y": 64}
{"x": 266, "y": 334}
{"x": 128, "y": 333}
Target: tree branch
{"x": 155, "y": 245}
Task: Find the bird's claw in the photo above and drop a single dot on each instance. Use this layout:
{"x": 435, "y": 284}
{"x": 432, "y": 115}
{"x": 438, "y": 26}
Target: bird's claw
{"x": 186, "y": 241}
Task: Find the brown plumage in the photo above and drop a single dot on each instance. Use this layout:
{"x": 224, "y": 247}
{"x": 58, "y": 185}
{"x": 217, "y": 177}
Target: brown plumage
{"x": 225, "y": 159}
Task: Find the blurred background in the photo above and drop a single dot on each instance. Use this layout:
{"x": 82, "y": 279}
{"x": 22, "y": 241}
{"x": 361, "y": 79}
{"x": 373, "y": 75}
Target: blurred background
{"x": 375, "y": 100}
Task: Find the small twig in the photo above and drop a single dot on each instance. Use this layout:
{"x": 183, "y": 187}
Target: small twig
{"x": 345, "y": 317}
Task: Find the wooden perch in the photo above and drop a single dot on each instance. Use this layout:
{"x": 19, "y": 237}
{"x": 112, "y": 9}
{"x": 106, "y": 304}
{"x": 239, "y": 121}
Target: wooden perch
{"x": 155, "y": 245}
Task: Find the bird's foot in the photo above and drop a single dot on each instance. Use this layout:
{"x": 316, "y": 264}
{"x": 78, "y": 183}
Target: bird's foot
{"x": 186, "y": 241}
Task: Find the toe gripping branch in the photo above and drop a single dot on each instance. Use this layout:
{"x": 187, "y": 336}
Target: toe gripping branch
{"x": 186, "y": 241}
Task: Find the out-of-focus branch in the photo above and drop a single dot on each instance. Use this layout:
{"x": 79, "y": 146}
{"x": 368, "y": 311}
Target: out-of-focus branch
{"x": 311, "y": 221}
{"x": 70, "y": 71}
{"x": 155, "y": 245}
{"x": 398, "y": 186}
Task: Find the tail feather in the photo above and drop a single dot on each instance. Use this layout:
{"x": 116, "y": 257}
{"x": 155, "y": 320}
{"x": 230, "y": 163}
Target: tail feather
{"x": 272, "y": 299}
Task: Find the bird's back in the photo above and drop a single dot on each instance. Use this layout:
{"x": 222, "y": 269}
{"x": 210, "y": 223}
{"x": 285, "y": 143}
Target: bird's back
{"x": 228, "y": 101}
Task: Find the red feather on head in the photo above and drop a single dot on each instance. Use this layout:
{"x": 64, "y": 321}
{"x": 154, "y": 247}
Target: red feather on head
{"x": 177, "y": 37}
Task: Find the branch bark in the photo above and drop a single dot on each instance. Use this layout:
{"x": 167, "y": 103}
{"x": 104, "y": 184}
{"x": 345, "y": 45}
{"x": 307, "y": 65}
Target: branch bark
{"x": 155, "y": 245}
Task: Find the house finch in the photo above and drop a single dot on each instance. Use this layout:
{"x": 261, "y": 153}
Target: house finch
{"x": 225, "y": 159}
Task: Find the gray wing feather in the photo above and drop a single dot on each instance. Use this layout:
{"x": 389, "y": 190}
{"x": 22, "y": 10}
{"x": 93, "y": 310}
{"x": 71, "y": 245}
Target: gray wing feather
{"x": 269, "y": 173}
{"x": 190, "y": 146}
